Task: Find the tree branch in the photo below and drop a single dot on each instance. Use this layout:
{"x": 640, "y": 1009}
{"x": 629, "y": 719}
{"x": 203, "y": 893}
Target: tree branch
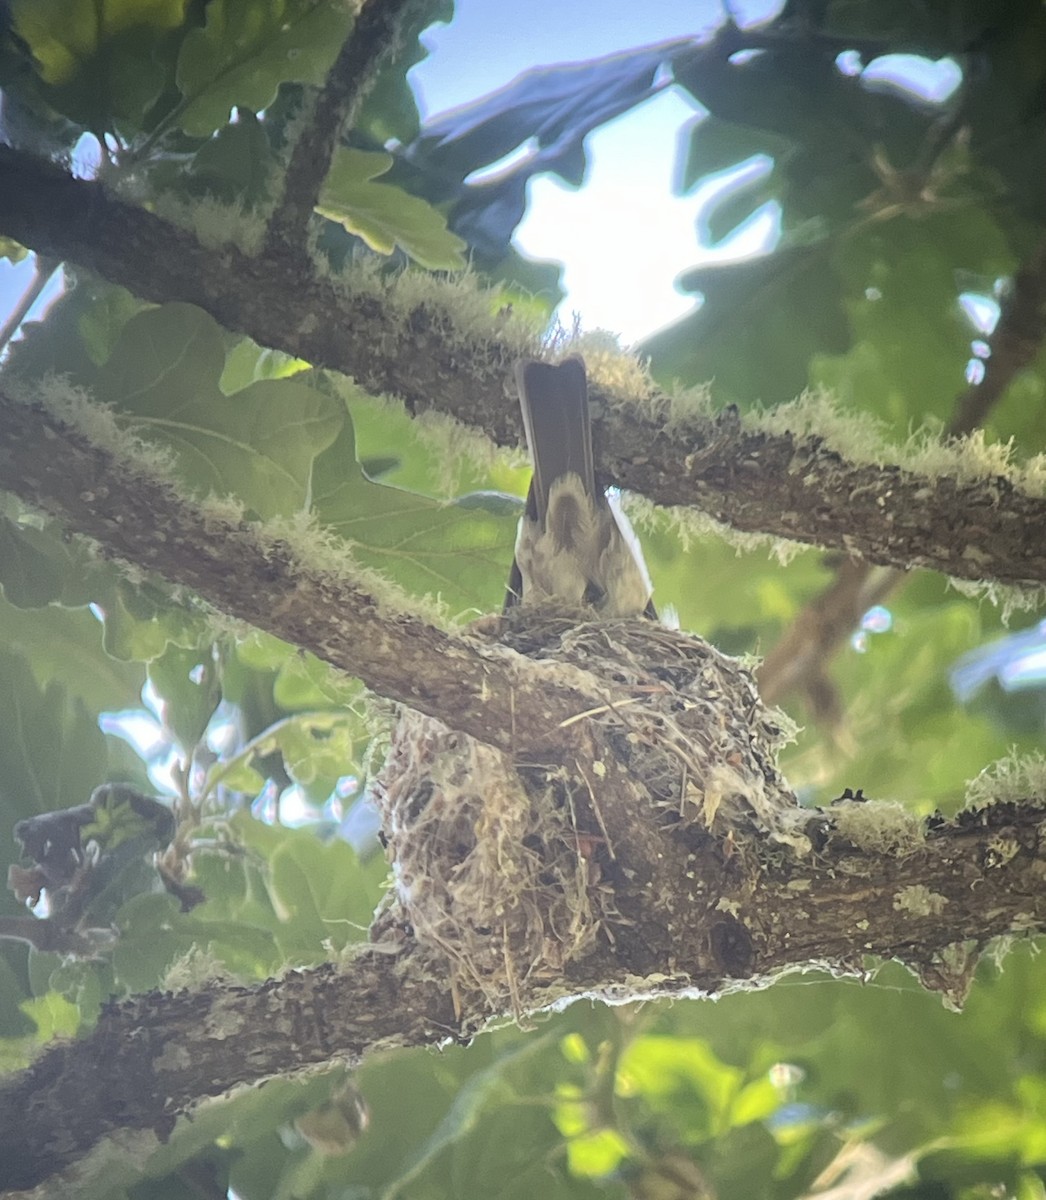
{"x": 714, "y": 923}
{"x": 780, "y": 484}
{"x": 495, "y": 695}
{"x": 374, "y": 37}
{"x": 798, "y": 488}
{"x": 802, "y": 654}
{"x": 141, "y": 1065}
{"x": 1015, "y": 341}
{"x": 801, "y": 657}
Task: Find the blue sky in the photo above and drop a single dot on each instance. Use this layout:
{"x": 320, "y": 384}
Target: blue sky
{"x": 624, "y": 236}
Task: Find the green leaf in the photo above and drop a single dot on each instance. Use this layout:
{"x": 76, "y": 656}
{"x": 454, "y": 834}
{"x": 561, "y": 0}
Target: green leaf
{"x": 259, "y": 444}
{"x": 683, "y": 1079}
{"x": 743, "y": 1160}
{"x": 761, "y": 321}
{"x": 392, "y": 449}
{"x": 103, "y": 61}
{"x": 187, "y": 684}
{"x": 63, "y": 35}
{"x": 717, "y": 145}
{"x": 65, "y": 645}
{"x": 75, "y": 337}
{"x": 150, "y": 941}
{"x": 53, "y": 1015}
{"x": 459, "y": 551}
{"x": 319, "y": 895}
{"x": 911, "y": 342}
{"x": 485, "y": 1113}
{"x": 248, "y": 48}
{"x": 40, "y": 565}
{"x": 255, "y": 1118}
{"x": 322, "y": 894}
{"x": 33, "y": 565}
{"x": 236, "y": 895}
{"x": 305, "y": 681}
{"x": 102, "y": 310}
{"x": 237, "y": 164}
{"x": 140, "y": 622}
{"x": 389, "y": 109}
{"x": 52, "y": 753}
{"x": 14, "y": 1024}
{"x": 87, "y": 985}
{"x": 385, "y": 216}
{"x": 13, "y": 251}
{"x": 900, "y": 708}
{"x": 154, "y": 935}
{"x": 247, "y": 363}
{"x": 319, "y": 747}
{"x": 313, "y": 746}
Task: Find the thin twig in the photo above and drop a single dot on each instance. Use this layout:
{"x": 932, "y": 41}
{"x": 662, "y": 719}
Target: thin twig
{"x": 799, "y": 661}
{"x": 1015, "y": 342}
{"x": 374, "y": 37}
{"x": 44, "y": 269}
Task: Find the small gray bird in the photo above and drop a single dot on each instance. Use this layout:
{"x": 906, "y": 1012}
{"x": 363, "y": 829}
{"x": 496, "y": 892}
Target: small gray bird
{"x": 574, "y": 544}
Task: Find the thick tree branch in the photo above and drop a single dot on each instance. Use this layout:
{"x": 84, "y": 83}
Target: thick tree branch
{"x": 800, "y": 489}
{"x": 730, "y": 920}
{"x": 146, "y": 1059}
{"x": 496, "y": 696}
{"x": 374, "y": 37}
{"x": 791, "y": 487}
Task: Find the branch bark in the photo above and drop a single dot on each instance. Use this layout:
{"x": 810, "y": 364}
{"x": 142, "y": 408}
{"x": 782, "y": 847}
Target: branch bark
{"x": 791, "y": 487}
{"x": 496, "y": 696}
{"x": 698, "y": 894}
{"x": 751, "y": 914}
{"x": 374, "y": 37}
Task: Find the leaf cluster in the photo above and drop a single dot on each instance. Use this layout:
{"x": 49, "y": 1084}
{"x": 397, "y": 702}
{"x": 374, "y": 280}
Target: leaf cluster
{"x": 897, "y": 216}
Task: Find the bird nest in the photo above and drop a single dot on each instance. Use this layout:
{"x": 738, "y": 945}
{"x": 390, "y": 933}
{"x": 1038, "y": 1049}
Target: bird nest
{"x": 498, "y": 863}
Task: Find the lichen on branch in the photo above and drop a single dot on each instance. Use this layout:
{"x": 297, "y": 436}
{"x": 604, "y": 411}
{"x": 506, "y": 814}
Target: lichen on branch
{"x": 437, "y": 345}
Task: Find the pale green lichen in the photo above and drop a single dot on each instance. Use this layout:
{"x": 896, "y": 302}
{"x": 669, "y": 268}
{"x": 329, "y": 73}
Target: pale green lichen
{"x": 193, "y": 969}
{"x": 212, "y": 222}
{"x": 626, "y": 382}
{"x": 472, "y": 317}
{"x": 857, "y": 436}
{"x": 1013, "y": 779}
{"x": 880, "y": 827}
{"x": 691, "y": 526}
{"x": 451, "y": 448}
{"x": 458, "y": 448}
{"x": 314, "y": 547}
{"x": 919, "y": 901}
{"x": 318, "y": 549}
{"x": 1010, "y": 598}
{"x": 861, "y": 438}
{"x": 72, "y": 406}
{"x": 620, "y": 375}
{"x": 220, "y": 512}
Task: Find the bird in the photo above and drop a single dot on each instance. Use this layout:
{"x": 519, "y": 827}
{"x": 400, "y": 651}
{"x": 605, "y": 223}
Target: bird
{"x": 574, "y": 545}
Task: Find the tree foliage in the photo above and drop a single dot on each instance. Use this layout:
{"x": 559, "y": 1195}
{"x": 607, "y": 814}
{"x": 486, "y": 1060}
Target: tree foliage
{"x": 261, "y": 174}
